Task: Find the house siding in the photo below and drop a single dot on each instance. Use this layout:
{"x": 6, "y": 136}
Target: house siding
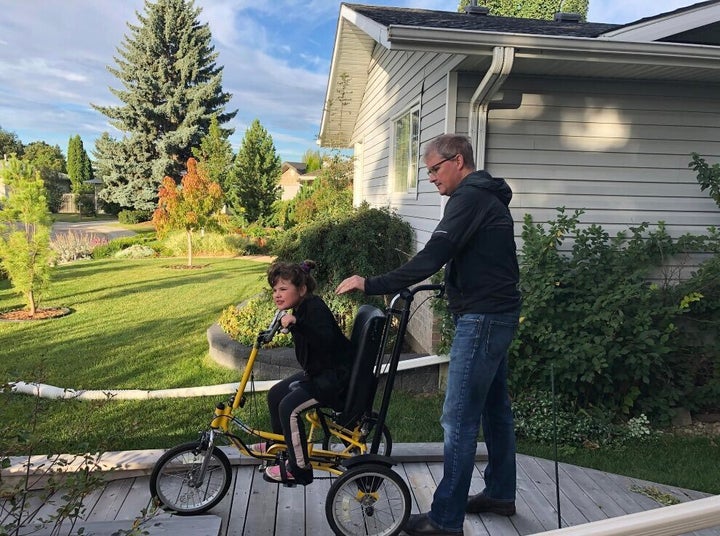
{"x": 619, "y": 151}
{"x": 398, "y": 80}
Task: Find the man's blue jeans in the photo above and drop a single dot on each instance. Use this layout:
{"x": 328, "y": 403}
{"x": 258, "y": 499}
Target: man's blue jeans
{"x": 476, "y": 391}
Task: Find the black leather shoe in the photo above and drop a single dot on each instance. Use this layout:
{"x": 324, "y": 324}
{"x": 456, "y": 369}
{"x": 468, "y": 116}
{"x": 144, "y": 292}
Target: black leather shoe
{"x": 480, "y": 503}
{"x": 422, "y": 525}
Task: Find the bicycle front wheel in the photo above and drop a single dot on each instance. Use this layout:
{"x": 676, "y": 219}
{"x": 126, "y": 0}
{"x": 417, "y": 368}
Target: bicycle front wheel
{"x": 180, "y": 485}
{"x": 368, "y": 499}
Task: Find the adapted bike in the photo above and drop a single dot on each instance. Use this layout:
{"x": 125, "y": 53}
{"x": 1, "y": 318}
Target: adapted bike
{"x": 353, "y": 445}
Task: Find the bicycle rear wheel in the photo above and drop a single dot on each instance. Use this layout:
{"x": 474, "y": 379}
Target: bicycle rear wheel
{"x": 177, "y": 482}
{"x": 369, "y": 499}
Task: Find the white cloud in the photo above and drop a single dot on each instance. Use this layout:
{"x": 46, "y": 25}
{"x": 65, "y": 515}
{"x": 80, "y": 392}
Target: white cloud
{"x": 54, "y": 57}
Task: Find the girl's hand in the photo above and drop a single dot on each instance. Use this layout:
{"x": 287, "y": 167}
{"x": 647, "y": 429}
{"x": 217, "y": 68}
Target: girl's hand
{"x": 287, "y": 320}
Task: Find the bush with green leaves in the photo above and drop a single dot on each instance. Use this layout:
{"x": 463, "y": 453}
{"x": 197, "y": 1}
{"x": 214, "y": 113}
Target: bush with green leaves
{"x": 243, "y": 322}
{"x": 25, "y": 223}
{"x": 207, "y": 244}
{"x": 128, "y": 216}
{"x": 366, "y": 241}
{"x": 590, "y": 311}
{"x": 110, "y": 249}
{"x": 696, "y": 357}
{"x": 540, "y": 418}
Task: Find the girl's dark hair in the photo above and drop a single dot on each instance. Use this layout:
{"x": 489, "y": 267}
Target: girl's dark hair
{"x": 297, "y": 273}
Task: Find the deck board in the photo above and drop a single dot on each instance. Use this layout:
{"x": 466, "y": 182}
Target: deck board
{"x": 254, "y": 507}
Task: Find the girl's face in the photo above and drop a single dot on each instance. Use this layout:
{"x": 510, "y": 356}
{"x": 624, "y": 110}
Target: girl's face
{"x": 286, "y": 295}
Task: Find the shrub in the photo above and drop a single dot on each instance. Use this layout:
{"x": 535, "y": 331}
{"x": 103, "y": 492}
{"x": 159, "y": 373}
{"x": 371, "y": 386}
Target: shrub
{"x": 695, "y": 362}
{"x": 136, "y": 251}
{"x": 110, "y": 249}
{"x": 243, "y": 322}
{"x": 591, "y": 313}
{"x": 366, "y": 241}
{"x": 538, "y": 419}
{"x": 73, "y": 246}
{"x": 208, "y": 243}
{"x": 134, "y": 216}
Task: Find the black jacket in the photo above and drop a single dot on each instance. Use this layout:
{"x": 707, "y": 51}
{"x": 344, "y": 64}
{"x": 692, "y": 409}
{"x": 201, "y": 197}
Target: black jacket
{"x": 322, "y": 350}
{"x": 475, "y": 238}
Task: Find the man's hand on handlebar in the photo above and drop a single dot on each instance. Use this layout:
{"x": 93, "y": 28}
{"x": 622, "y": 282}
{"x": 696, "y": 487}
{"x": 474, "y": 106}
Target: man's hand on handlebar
{"x": 354, "y": 282}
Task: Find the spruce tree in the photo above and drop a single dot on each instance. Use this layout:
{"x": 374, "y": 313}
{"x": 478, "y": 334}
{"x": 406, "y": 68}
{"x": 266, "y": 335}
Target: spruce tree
{"x": 256, "y": 175}
{"x": 172, "y": 89}
{"x": 215, "y": 155}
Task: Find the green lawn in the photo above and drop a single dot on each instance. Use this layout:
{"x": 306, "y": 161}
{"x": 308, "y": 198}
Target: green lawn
{"x": 141, "y": 325}
{"x": 135, "y": 324}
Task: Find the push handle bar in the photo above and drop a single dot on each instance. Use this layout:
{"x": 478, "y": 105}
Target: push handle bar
{"x": 407, "y": 294}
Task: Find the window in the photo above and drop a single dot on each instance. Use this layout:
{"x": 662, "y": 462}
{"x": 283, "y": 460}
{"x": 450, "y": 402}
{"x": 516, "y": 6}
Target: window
{"x": 405, "y": 151}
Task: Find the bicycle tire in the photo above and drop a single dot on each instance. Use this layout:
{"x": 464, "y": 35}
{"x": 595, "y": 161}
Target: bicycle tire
{"x": 172, "y": 482}
{"x": 369, "y": 499}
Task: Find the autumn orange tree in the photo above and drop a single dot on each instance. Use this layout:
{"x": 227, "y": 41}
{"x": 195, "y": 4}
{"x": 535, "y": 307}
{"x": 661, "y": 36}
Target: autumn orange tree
{"x": 192, "y": 206}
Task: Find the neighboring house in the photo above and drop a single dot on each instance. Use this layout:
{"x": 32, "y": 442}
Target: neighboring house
{"x": 293, "y": 178}
{"x": 600, "y": 117}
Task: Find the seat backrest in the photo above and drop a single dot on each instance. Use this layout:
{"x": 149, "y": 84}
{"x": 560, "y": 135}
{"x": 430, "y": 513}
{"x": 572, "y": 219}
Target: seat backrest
{"x": 365, "y": 338}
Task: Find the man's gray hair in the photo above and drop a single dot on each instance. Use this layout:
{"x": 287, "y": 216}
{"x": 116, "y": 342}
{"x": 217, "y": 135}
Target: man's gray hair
{"x": 448, "y": 145}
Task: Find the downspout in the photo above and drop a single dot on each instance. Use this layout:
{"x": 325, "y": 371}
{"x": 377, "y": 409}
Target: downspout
{"x": 500, "y": 67}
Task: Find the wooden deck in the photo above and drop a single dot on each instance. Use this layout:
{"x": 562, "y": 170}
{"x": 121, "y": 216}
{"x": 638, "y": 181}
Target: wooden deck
{"x": 254, "y": 507}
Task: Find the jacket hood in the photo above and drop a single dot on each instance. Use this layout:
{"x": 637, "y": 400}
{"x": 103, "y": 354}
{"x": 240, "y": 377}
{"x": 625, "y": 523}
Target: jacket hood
{"x": 483, "y": 179}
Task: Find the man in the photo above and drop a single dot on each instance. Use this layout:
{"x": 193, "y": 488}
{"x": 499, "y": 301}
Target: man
{"x": 475, "y": 241}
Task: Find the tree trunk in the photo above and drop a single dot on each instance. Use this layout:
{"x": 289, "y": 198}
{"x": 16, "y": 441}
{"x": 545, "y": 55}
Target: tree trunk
{"x": 189, "y": 247}
{"x": 31, "y": 302}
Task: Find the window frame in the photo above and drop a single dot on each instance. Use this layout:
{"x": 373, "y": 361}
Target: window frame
{"x": 407, "y": 184}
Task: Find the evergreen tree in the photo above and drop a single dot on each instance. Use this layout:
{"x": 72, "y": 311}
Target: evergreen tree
{"x": 256, "y": 175}
{"x": 79, "y": 167}
{"x": 531, "y": 9}
{"x": 172, "y": 90}
{"x": 313, "y": 160}
{"x": 215, "y": 155}
{"x": 25, "y": 252}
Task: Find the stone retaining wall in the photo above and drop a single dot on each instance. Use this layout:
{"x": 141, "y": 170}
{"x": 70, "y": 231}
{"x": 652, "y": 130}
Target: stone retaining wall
{"x": 279, "y": 363}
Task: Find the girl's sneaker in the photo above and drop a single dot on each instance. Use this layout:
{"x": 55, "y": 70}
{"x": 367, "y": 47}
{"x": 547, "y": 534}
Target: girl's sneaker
{"x": 273, "y": 473}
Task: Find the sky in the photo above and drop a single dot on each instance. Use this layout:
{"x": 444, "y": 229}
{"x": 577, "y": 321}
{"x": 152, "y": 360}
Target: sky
{"x": 55, "y": 54}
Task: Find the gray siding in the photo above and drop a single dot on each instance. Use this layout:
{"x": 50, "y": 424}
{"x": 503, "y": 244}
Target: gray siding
{"x": 395, "y": 83}
{"x": 617, "y": 150}
{"x": 397, "y": 80}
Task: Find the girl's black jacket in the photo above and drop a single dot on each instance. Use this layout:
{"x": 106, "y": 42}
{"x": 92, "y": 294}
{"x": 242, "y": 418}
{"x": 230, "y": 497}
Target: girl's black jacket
{"x": 322, "y": 350}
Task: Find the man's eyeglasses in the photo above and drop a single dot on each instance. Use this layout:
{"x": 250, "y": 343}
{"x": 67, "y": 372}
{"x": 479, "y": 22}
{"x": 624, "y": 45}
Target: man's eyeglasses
{"x": 432, "y": 170}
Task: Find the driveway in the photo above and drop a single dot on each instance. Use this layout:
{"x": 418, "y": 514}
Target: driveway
{"x": 108, "y": 228}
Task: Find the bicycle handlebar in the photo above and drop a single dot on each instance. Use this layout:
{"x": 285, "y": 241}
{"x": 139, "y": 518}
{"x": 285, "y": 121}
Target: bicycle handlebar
{"x": 266, "y": 336}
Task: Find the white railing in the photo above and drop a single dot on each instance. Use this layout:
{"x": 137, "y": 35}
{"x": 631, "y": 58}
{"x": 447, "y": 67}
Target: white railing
{"x": 667, "y": 521}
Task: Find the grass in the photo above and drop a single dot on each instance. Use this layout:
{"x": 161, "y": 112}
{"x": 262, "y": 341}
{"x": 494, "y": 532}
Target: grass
{"x": 141, "y": 325}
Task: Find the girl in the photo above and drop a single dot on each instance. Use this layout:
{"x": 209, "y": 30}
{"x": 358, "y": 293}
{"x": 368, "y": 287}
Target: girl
{"x": 323, "y": 352}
